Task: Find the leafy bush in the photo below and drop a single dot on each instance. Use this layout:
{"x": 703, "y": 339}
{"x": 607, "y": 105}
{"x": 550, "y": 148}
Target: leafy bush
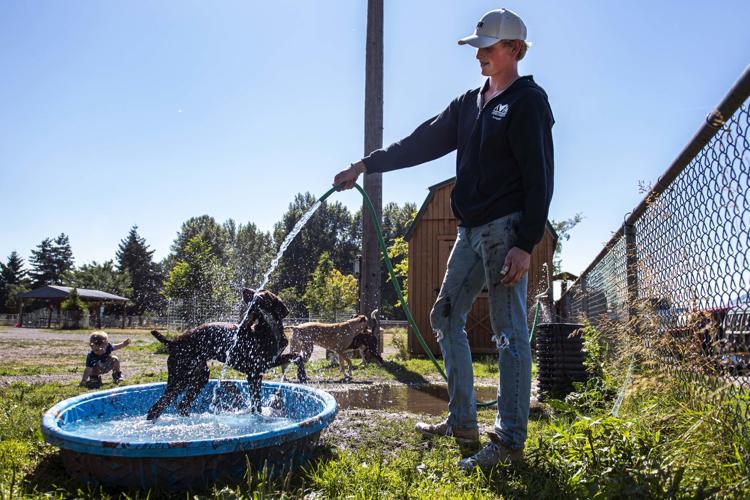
{"x": 74, "y": 304}
{"x": 74, "y": 309}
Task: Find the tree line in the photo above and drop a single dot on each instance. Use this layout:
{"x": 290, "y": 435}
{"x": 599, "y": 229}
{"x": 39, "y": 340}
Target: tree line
{"x": 209, "y": 262}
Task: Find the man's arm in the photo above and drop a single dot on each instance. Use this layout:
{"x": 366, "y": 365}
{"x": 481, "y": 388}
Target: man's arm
{"x": 348, "y": 177}
{"x": 434, "y": 138}
{"x": 530, "y": 135}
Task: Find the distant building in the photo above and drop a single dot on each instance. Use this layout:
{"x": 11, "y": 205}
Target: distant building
{"x": 54, "y": 295}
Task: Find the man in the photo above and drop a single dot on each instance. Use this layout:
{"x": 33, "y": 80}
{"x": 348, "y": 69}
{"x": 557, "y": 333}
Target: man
{"x": 502, "y": 133}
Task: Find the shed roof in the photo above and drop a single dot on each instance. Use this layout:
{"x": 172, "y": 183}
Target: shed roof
{"x": 57, "y": 292}
{"x": 426, "y": 203}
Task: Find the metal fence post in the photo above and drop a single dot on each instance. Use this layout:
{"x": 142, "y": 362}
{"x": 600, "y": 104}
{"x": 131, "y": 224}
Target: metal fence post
{"x": 631, "y": 268}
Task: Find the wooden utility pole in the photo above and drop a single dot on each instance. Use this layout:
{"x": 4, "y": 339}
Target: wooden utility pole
{"x": 369, "y": 297}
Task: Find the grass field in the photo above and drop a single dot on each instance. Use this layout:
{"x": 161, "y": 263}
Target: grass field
{"x": 662, "y": 444}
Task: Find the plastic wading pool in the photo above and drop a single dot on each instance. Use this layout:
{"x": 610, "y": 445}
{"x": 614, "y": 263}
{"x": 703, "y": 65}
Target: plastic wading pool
{"x": 188, "y": 463}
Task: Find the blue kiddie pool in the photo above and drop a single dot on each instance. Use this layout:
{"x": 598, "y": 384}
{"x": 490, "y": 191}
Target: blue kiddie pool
{"x": 105, "y": 437}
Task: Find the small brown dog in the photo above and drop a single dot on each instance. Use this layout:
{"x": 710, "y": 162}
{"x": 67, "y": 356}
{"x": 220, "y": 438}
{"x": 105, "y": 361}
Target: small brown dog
{"x": 336, "y": 337}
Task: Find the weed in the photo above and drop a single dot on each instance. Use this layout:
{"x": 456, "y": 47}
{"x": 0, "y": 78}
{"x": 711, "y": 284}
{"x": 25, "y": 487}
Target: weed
{"x": 399, "y": 341}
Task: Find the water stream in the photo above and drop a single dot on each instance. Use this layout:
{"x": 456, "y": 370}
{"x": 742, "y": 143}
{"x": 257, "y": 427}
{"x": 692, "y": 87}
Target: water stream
{"x": 274, "y": 263}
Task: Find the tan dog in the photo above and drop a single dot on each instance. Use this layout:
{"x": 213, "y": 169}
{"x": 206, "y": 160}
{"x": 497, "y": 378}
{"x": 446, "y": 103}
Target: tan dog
{"x": 336, "y": 337}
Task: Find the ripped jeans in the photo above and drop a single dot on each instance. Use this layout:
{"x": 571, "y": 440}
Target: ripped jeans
{"x": 477, "y": 259}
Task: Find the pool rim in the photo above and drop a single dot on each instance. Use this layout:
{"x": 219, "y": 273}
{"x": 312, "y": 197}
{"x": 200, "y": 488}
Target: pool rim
{"x": 55, "y": 435}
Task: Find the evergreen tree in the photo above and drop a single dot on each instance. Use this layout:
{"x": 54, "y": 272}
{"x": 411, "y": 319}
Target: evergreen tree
{"x": 397, "y": 219}
{"x": 231, "y": 229}
{"x": 13, "y": 272}
{"x": 136, "y": 259}
{"x": 42, "y": 264}
{"x": 50, "y": 261}
{"x": 102, "y": 277}
{"x": 62, "y": 254}
{"x": 12, "y": 302}
{"x": 13, "y": 280}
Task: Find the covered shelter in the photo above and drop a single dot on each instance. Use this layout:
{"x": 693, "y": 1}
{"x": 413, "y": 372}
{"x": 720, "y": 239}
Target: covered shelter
{"x": 54, "y": 295}
{"x": 431, "y": 237}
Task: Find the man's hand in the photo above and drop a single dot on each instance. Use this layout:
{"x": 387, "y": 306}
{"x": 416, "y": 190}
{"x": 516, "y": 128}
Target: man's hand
{"x": 348, "y": 176}
{"x": 515, "y": 266}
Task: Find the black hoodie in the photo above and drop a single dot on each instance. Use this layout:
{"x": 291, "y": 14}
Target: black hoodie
{"x": 504, "y": 160}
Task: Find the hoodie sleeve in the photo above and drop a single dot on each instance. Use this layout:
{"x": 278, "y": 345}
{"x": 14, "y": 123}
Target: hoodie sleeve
{"x": 530, "y": 134}
{"x": 434, "y": 138}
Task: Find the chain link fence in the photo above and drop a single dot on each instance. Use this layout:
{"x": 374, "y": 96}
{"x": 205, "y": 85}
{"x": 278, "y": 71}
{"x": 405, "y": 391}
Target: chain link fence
{"x": 678, "y": 271}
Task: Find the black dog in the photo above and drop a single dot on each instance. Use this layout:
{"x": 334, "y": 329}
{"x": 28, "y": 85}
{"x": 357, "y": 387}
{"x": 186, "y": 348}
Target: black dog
{"x": 367, "y": 344}
{"x": 252, "y": 347}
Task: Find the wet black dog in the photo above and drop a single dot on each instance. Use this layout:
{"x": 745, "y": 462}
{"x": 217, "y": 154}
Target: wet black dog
{"x": 251, "y": 347}
{"x": 367, "y": 344}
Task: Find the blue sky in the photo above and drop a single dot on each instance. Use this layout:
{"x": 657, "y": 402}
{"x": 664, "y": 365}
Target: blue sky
{"x": 151, "y": 112}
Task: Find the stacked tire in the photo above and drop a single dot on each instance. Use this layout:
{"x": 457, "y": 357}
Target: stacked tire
{"x": 559, "y": 357}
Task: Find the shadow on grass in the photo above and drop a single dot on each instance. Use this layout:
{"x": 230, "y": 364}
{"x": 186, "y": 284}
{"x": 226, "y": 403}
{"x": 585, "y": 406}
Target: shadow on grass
{"x": 50, "y": 477}
{"x": 396, "y": 370}
{"x": 525, "y": 479}
{"x": 404, "y": 375}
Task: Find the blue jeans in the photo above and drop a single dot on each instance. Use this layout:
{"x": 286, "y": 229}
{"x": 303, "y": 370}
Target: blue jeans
{"x": 477, "y": 258}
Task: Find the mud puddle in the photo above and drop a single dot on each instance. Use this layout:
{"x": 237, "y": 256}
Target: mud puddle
{"x": 430, "y": 400}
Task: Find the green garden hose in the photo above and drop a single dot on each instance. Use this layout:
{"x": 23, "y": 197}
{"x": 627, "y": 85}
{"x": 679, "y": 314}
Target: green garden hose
{"x": 399, "y": 293}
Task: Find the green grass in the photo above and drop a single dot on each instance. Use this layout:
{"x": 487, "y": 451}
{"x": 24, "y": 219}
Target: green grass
{"x": 664, "y": 444}
{"x": 147, "y": 347}
{"x": 29, "y": 370}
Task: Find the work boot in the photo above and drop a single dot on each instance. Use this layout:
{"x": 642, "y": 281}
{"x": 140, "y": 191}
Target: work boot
{"x": 488, "y": 457}
{"x": 116, "y": 377}
{"x": 462, "y": 436}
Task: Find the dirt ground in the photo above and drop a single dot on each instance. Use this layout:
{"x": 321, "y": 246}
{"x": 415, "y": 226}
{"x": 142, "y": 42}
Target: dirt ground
{"x": 39, "y": 355}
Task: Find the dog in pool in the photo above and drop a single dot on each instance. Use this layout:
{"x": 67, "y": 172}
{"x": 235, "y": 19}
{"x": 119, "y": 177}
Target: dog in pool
{"x": 252, "y": 347}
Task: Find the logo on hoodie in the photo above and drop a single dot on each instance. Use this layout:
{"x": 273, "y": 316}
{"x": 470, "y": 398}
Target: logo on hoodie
{"x": 500, "y": 111}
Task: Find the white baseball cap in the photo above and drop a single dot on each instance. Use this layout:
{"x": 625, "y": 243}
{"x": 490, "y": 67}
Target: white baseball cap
{"x": 496, "y": 25}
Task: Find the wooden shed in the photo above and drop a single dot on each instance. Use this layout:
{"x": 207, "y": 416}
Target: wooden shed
{"x": 431, "y": 237}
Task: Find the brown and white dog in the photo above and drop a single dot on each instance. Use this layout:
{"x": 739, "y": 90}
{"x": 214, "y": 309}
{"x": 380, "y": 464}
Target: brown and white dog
{"x": 336, "y": 337}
